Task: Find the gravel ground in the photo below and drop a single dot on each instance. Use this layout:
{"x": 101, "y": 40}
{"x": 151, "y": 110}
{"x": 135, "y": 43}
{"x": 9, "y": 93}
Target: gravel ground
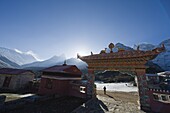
{"x": 121, "y": 96}
{"x": 119, "y": 102}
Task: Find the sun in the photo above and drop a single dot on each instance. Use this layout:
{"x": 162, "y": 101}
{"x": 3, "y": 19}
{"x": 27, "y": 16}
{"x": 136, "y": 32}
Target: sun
{"x": 82, "y": 51}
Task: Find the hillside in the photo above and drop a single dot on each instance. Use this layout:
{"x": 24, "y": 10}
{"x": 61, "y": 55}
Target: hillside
{"x": 113, "y": 76}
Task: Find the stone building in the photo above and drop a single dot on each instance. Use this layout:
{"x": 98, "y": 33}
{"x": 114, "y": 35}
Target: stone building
{"x": 14, "y": 79}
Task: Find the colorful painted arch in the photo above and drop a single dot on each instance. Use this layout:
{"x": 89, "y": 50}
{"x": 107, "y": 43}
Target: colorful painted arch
{"x": 125, "y": 61}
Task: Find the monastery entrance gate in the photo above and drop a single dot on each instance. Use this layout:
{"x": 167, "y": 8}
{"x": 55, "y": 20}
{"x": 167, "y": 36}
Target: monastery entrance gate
{"x": 132, "y": 62}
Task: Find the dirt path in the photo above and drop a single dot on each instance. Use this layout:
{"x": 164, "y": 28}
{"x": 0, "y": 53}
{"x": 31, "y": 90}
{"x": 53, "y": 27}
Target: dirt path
{"x": 119, "y": 102}
{"x": 121, "y": 96}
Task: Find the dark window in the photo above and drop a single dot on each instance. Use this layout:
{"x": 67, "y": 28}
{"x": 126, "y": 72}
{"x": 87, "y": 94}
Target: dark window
{"x": 155, "y": 97}
{"x": 164, "y": 98}
{"x": 49, "y": 84}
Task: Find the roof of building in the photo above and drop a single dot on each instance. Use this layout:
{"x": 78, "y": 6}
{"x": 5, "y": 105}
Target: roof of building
{"x": 12, "y": 71}
{"x": 62, "y": 78}
{"x": 124, "y": 54}
{"x": 151, "y": 75}
{"x": 63, "y": 69}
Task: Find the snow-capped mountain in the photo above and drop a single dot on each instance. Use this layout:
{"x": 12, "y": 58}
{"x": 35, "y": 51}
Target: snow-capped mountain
{"x": 144, "y": 47}
{"x": 55, "y": 60}
{"x": 16, "y": 56}
{"x": 119, "y": 45}
{"x": 8, "y": 63}
{"x": 79, "y": 63}
{"x": 163, "y": 59}
{"x": 4, "y": 65}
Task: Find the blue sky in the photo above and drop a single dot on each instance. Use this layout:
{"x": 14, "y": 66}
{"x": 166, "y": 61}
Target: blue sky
{"x": 53, "y": 27}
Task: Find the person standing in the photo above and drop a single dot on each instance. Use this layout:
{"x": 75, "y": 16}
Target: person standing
{"x": 104, "y": 88}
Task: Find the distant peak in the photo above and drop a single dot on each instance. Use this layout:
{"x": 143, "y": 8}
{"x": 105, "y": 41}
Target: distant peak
{"x": 28, "y": 53}
{"x": 55, "y": 57}
{"x": 33, "y": 54}
{"x": 18, "y": 51}
{"x": 63, "y": 55}
{"x": 119, "y": 43}
{"x": 165, "y": 41}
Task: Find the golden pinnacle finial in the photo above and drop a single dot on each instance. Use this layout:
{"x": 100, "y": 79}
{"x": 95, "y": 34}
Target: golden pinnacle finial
{"x": 78, "y": 56}
{"x": 111, "y": 46}
{"x": 64, "y": 63}
{"x": 138, "y": 48}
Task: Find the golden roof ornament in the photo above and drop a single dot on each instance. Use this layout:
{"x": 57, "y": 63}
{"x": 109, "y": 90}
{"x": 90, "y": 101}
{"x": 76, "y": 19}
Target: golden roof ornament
{"x": 78, "y": 56}
{"x": 102, "y": 51}
{"x": 65, "y": 64}
{"x": 111, "y": 46}
{"x": 105, "y": 49}
{"x": 138, "y": 48}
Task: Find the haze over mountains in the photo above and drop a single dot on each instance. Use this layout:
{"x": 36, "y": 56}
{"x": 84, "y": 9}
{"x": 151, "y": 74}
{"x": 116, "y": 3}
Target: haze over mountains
{"x": 16, "y": 59}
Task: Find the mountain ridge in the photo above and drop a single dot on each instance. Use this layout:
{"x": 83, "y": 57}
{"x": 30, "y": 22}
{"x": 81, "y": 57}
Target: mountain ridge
{"x": 16, "y": 57}
{"x": 7, "y": 57}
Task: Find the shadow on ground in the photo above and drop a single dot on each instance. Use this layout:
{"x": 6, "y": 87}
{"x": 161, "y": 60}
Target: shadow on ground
{"x": 110, "y": 96}
{"x": 92, "y": 106}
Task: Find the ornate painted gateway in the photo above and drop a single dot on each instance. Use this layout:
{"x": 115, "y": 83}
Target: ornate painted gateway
{"x": 132, "y": 62}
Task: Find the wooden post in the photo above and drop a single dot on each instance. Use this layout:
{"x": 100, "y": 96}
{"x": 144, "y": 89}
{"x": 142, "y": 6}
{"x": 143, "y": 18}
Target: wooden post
{"x": 144, "y": 101}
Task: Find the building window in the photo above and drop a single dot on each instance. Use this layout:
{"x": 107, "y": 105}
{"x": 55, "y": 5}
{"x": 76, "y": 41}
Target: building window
{"x": 156, "y": 97}
{"x": 82, "y": 89}
{"x": 164, "y": 97}
{"x": 49, "y": 84}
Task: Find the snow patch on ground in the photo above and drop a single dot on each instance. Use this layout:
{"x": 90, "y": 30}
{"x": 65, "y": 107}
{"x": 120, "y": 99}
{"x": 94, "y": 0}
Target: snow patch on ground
{"x": 113, "y": 87}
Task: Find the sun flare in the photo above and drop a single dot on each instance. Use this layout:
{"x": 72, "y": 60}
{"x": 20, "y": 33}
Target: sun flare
{"x": 83, "y": 52}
